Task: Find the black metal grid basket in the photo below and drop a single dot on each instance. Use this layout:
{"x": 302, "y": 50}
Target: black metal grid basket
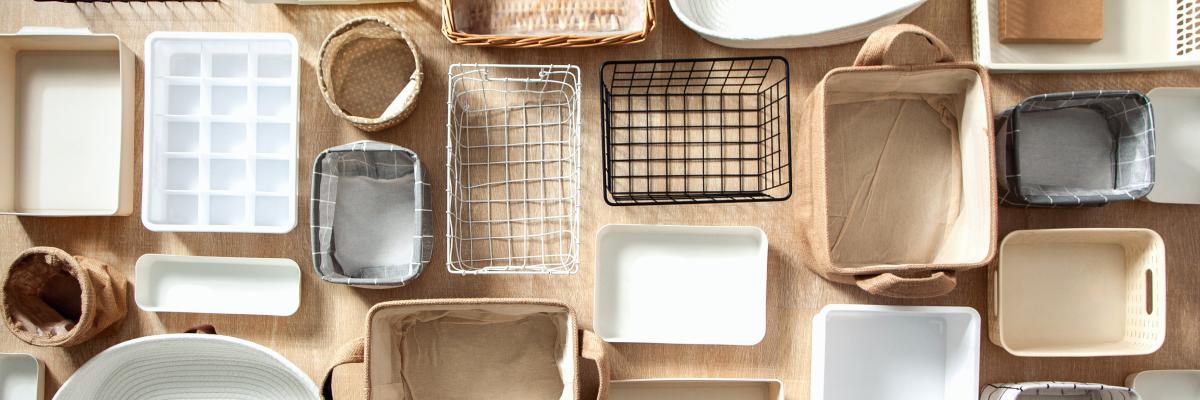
{"x": 696, "y": 130}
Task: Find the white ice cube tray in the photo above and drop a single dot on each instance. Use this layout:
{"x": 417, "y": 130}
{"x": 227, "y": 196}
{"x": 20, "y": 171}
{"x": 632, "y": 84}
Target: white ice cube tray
{"x": 220, "y": 142}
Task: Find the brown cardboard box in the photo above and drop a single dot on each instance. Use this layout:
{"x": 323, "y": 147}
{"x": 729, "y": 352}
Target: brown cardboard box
{"x": 1051, "y": 21}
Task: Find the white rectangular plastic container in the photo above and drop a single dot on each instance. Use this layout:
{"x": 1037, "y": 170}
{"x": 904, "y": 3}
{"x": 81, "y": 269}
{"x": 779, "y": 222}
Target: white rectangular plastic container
{"x": 1138, "y": 35}
{"x": 895, "y": 353}
{"x": 217, "y": 285}
{"x": 681, "y": 284}
{"x": 1181, "y": 384}
{"x": 66, "y": 123}
{"x": 1176, "y": 170}
{"x": 21, "y": 377}
{"x": 220, "y": 141}
{"x": 696, "y": 389}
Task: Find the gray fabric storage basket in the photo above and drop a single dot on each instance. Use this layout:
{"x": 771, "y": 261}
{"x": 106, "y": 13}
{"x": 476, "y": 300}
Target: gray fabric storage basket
{"x": 386, "y": 244}
{"x": 1076, "y": 149}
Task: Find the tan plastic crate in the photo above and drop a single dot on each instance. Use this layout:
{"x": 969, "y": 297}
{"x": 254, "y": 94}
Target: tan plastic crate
{"x": 1079, "y": 293}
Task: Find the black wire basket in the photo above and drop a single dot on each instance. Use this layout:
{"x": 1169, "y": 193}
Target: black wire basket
{"x": 696, "y": 131}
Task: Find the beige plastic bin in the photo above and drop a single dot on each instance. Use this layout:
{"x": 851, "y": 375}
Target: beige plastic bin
{"x": 1079, "y": 293}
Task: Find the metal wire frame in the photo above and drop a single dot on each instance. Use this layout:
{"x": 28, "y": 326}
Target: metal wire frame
{"x": 696, "y": 130}
{"x": 512, "y": 169}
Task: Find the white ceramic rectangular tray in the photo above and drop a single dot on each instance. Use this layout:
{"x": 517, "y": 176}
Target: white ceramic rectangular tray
{"x": 21, "y": 377}
{"x": 696, "y": 389}
{"x": 1138, "y": 35}
{"x": 220, "y": 132}
{"x": 217, "y": 285}
{"x": 681, "y": 284}
{"x": 895, "y": 353}
{"x": 1166, "y": 384}
{"x": 1177, "y": 134}
{"x": 66, "y": 123}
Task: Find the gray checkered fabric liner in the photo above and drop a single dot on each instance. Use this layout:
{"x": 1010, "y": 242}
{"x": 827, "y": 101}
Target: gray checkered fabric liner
{"x": 1130, "y": 119}
{"x": 378, "y": 161}
{"x": 1066, "y": 390}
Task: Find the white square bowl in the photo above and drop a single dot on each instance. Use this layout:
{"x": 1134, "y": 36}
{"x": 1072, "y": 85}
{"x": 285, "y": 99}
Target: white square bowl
{"x": 681, "y": 284}
{"x": 895, "y": 353}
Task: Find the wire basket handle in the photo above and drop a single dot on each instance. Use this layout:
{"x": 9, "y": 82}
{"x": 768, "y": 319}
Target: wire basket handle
{"x": 879, "y": 46}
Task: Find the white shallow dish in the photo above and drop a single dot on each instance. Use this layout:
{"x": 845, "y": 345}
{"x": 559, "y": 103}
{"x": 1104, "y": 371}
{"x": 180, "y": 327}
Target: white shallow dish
{"x": 895, "y": 353}
{"x": 1177, "y": 135}
{"x": 217, "y": 285}
{"x": 1138, "y": 35}
{"x": 696, "y": 389}
{"x": 681, "y": 284}
{"x": 1166, "y": 384}
{"x": 220, "y": 140}
{"x": 21, "y": 377}
{"x": 779, "y": 24}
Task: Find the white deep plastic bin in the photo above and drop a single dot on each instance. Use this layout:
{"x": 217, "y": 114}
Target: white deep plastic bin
{"x": 1177, "y": 157}
{"x": 21, "y": 377}
{"x": 1181, "y": 384}
{"x": 896, "y": 353}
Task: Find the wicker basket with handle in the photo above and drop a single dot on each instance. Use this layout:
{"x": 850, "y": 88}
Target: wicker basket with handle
{"x": 547, "y": 23}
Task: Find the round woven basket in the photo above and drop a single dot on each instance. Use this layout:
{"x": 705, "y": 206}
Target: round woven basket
{"x": 370, "y": 73}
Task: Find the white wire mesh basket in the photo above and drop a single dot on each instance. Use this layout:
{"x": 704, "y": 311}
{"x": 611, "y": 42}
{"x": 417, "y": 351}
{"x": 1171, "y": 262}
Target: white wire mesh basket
{"x": 512, "y": 169}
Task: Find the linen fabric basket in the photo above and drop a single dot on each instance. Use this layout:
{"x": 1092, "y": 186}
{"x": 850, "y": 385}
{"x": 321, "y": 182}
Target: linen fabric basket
{"x": 1052, "y": 390}
{"x": 452, "y": 348}
{"x": 546, "y": 23}
{"x": 369, "y": 73}
{"x": 1076, "y": 149}
{"x": 51, "y": 298}
{"x": 188, "y": 365}
{"x": 372, "y": 217}
{"x": 901, "y": 168}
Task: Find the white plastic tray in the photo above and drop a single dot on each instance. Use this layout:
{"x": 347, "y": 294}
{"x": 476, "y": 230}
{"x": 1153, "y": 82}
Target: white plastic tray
{"x": 21, "y": 377}
{"x": 66, "y": 123}
{"x": 696, "y": 389}
{"x": 220, "y": 132}
{"x": 776, "y": 24}
{"x": 681, "y": 284}
{"x": 895, "y": 353}
{"x": 1138, "y": 35}
{"x": 1166, "y": 384}
{"x": 217, "y": 285}
{"x": 1177, "y": 134}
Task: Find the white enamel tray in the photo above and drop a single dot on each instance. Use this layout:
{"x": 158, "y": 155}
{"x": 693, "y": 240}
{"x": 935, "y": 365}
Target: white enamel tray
{"x": 21, "y": 377}
{"x": 1177, "y": 135}
{"x": 217, "y": 285}
{"x": 220, "y": 132}
{"x": 1166, "y": 384}
{"x": 681, "y": 284}
{"x": 696, "y": 389}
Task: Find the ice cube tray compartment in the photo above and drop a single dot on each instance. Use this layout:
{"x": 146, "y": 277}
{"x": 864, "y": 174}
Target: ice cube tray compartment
{"x": 221, "y": 132}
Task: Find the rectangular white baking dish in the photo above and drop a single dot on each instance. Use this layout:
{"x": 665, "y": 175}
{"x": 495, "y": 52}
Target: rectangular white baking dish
{"x": 895, "y": 353}
{"x": 696, "y": 389}
{"x": 217, "y": 285}
{"x": 220, "y": 131}
{"x": 21, "y": 377}
{"x": 681, "y": 284}
{"x": 66, "y": 124}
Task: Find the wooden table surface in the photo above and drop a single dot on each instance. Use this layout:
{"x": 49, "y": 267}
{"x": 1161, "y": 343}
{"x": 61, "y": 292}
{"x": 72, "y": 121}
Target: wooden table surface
{"x": 331, "y": 315}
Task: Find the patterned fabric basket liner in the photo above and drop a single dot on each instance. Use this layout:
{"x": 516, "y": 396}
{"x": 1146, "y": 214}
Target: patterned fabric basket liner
{"x": 1048, "y": 390}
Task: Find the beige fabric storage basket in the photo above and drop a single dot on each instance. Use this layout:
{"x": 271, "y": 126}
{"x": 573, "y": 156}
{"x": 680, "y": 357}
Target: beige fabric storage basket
{"x": 369, "y": 72}
{"x": 473, "y": 349}
{"x": 902, "y": 171}
{"x": 1079, "y": 293}
{"x": 546, "y": 23}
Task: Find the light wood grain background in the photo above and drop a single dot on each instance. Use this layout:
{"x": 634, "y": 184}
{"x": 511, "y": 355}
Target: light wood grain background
{"x": 331, "y": 315}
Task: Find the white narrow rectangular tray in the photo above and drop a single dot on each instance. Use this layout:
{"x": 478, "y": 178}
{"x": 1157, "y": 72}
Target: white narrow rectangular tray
{"x": 681, "y": 284}
{"x": 895, "y": 353}
{"x": 217, "y": 285}
{"x": 696, "y": 389}
{"x": 21, "y": 377}
{"x": 220, "y": 140}
{"x": 1177, "y": 134}
{"x": 1180, "y": 384}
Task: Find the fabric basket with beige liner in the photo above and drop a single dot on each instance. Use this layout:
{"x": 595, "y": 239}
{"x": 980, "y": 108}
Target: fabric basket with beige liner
{"x": 902, "y": 193}
{"x": 370, "y": 73}
{"x": 51, "y": 298}
{"x": 1056, "y": 390}
{"x": 1079, "y": 293}
{"x": 198, "y": 365}
{"x": 546, "y": 23}
{"x": 524, "y": 349}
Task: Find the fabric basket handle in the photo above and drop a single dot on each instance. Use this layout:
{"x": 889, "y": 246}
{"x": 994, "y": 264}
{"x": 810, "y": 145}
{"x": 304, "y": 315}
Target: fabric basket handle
{"x": 892, "y": 285}
{"x": 880, "y": 43}
{"x": 350, "y": 353}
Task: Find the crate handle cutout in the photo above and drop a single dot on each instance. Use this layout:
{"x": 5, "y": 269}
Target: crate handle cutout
{"x": 1149, "y": 292}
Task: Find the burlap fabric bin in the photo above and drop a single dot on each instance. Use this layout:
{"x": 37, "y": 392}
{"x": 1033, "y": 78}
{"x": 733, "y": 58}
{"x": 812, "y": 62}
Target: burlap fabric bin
{"x": 370, "y": 73}
{"x": 51, "y": 298}
{"x": 901, "y": 168}
{"x": 436, "y": 349}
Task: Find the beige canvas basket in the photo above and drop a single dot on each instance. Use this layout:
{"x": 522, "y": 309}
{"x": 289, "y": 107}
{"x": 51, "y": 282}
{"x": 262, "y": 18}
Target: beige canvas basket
{"x": 901, "y": 168}
{"x": 473, "y": 348}
{"x": 546, "y": 23}
{"x": 369, "y": 72}
{"x": 51, "y": 298}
